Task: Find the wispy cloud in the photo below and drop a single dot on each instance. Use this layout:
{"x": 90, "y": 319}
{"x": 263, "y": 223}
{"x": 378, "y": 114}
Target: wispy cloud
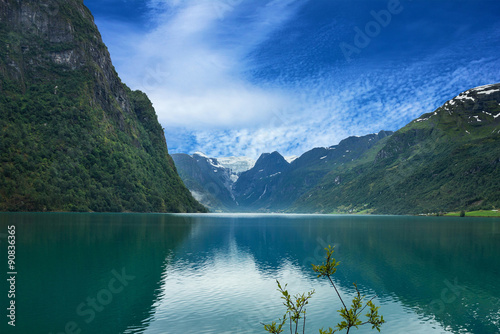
{"x": 193, "y": 63}
{"x": 215, "y": 89}
{"x": 328, "y": 110}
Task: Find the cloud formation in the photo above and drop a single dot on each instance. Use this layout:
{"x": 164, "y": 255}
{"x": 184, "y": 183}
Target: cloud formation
{"x": 241, "y": 77}
{"x": 192, "y": 64}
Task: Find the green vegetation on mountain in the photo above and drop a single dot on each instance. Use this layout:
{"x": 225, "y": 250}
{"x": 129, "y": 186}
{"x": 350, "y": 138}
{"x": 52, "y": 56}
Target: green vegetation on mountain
{"x": 448, "y": 160}
{"x": 309, "y": 169}
{"x": 73, "y": 137}
{"x": 272, "y": 184}
{"x": 445, "y": 161}
{"x": 209, "y": 182}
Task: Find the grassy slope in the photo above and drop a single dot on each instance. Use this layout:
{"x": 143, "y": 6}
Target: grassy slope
{"x": 479, "y": 213}
{"x": 427, "y": 166}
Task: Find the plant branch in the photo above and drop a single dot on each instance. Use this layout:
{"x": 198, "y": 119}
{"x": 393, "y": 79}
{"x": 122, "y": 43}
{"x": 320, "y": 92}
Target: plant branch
{"x": 331, "y": 281}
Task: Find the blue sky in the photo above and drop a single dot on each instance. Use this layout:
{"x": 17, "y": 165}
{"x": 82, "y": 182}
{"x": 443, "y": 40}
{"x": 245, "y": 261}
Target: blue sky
{"x": 243, "y": 77}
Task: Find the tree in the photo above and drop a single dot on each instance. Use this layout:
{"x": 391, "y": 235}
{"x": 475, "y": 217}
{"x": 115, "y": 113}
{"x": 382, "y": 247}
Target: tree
{"x": 295, "y": 305}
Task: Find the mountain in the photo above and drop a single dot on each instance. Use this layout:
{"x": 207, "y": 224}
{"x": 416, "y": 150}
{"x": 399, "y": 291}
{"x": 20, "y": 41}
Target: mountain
{"x": 446, "y": 160}
{"x": 208, "y": 180}
{"x": 274, "y": 184}
{"x": 270, "y": 184}
{"x": 73, "y": 137}
{"x": 254, "y": 187}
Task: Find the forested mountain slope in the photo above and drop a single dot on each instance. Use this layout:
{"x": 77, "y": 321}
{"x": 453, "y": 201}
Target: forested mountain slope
{"x": 446, "y": 160}
{"x": 73, "y": 137}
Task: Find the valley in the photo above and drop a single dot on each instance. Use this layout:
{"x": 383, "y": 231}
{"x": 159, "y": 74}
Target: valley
{"x": 445, "y": 160}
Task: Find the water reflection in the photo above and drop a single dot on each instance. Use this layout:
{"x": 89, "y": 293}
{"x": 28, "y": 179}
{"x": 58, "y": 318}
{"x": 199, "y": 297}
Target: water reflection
{"x": 216, "y": 274}
{"x": 68, "y": 266}
{"x": 424, "y": 270}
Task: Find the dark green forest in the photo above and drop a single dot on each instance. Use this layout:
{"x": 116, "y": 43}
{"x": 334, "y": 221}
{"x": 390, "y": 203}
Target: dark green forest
{"x": 73, "y": 137}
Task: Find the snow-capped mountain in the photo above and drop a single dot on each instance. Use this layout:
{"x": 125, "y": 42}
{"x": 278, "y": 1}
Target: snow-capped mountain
{"x": 271, "y": 183}
{"x": 447, "y": 159}
{"x": 208, "y": 180}
{"x": 475, "y": 107}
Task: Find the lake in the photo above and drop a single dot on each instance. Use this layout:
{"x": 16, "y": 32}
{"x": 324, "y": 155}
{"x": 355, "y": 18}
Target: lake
{"x": 164, "y": 273}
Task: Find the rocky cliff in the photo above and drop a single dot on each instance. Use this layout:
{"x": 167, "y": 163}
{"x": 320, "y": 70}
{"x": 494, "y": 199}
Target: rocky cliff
{"x": 73, "y": 136}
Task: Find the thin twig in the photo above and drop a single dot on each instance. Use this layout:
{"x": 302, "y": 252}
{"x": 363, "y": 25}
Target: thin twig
{"x": 366, "y": 304}
{"x": 337, "y": 292}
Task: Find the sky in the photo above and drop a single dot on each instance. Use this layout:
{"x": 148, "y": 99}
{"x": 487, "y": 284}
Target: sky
{"x": 245, "y": 77}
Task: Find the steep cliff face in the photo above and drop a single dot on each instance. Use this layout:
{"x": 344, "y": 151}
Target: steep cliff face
{"x": 73, "y": 136}
{"x": 46, "y": 39}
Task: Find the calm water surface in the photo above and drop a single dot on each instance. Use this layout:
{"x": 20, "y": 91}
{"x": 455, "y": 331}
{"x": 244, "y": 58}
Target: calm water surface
{"x": 149, "y": 273}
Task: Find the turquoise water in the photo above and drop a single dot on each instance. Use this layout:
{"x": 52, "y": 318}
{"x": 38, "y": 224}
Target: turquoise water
{"x": 153, "y": 273}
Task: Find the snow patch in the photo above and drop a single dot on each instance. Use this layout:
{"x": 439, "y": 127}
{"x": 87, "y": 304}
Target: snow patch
{"x": 482, "y": 87}
{"x": 237, "y": 164}
{"x": 489, "y": 91}
{"x": 464, "y": 96}
{"x": 201, "y": 155}
{"x": 290, "y": 158}
{"x": 265, "y": 189}
{"x": 215, "y": 163}
{"x": 427, "y": 118}
{"x": 322, "y": 157}
{"x": 477, "y": 118}
{"x": 496, "y": 115}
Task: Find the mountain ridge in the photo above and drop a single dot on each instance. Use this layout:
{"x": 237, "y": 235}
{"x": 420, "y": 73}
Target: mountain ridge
{"x": 266, "y": 185}
{"x": 73, "y": 136}
{"x": 444, "y": 160}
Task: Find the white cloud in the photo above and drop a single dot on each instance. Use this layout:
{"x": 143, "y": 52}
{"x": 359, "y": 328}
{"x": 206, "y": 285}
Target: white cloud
{"x": 192, "y": 64}
{"x": 326, "y": 112}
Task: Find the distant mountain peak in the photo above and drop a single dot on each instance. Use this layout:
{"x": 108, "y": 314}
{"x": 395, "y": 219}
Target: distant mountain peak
{"x": 271, "y": 162}
{"x": 478, "y": 106}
